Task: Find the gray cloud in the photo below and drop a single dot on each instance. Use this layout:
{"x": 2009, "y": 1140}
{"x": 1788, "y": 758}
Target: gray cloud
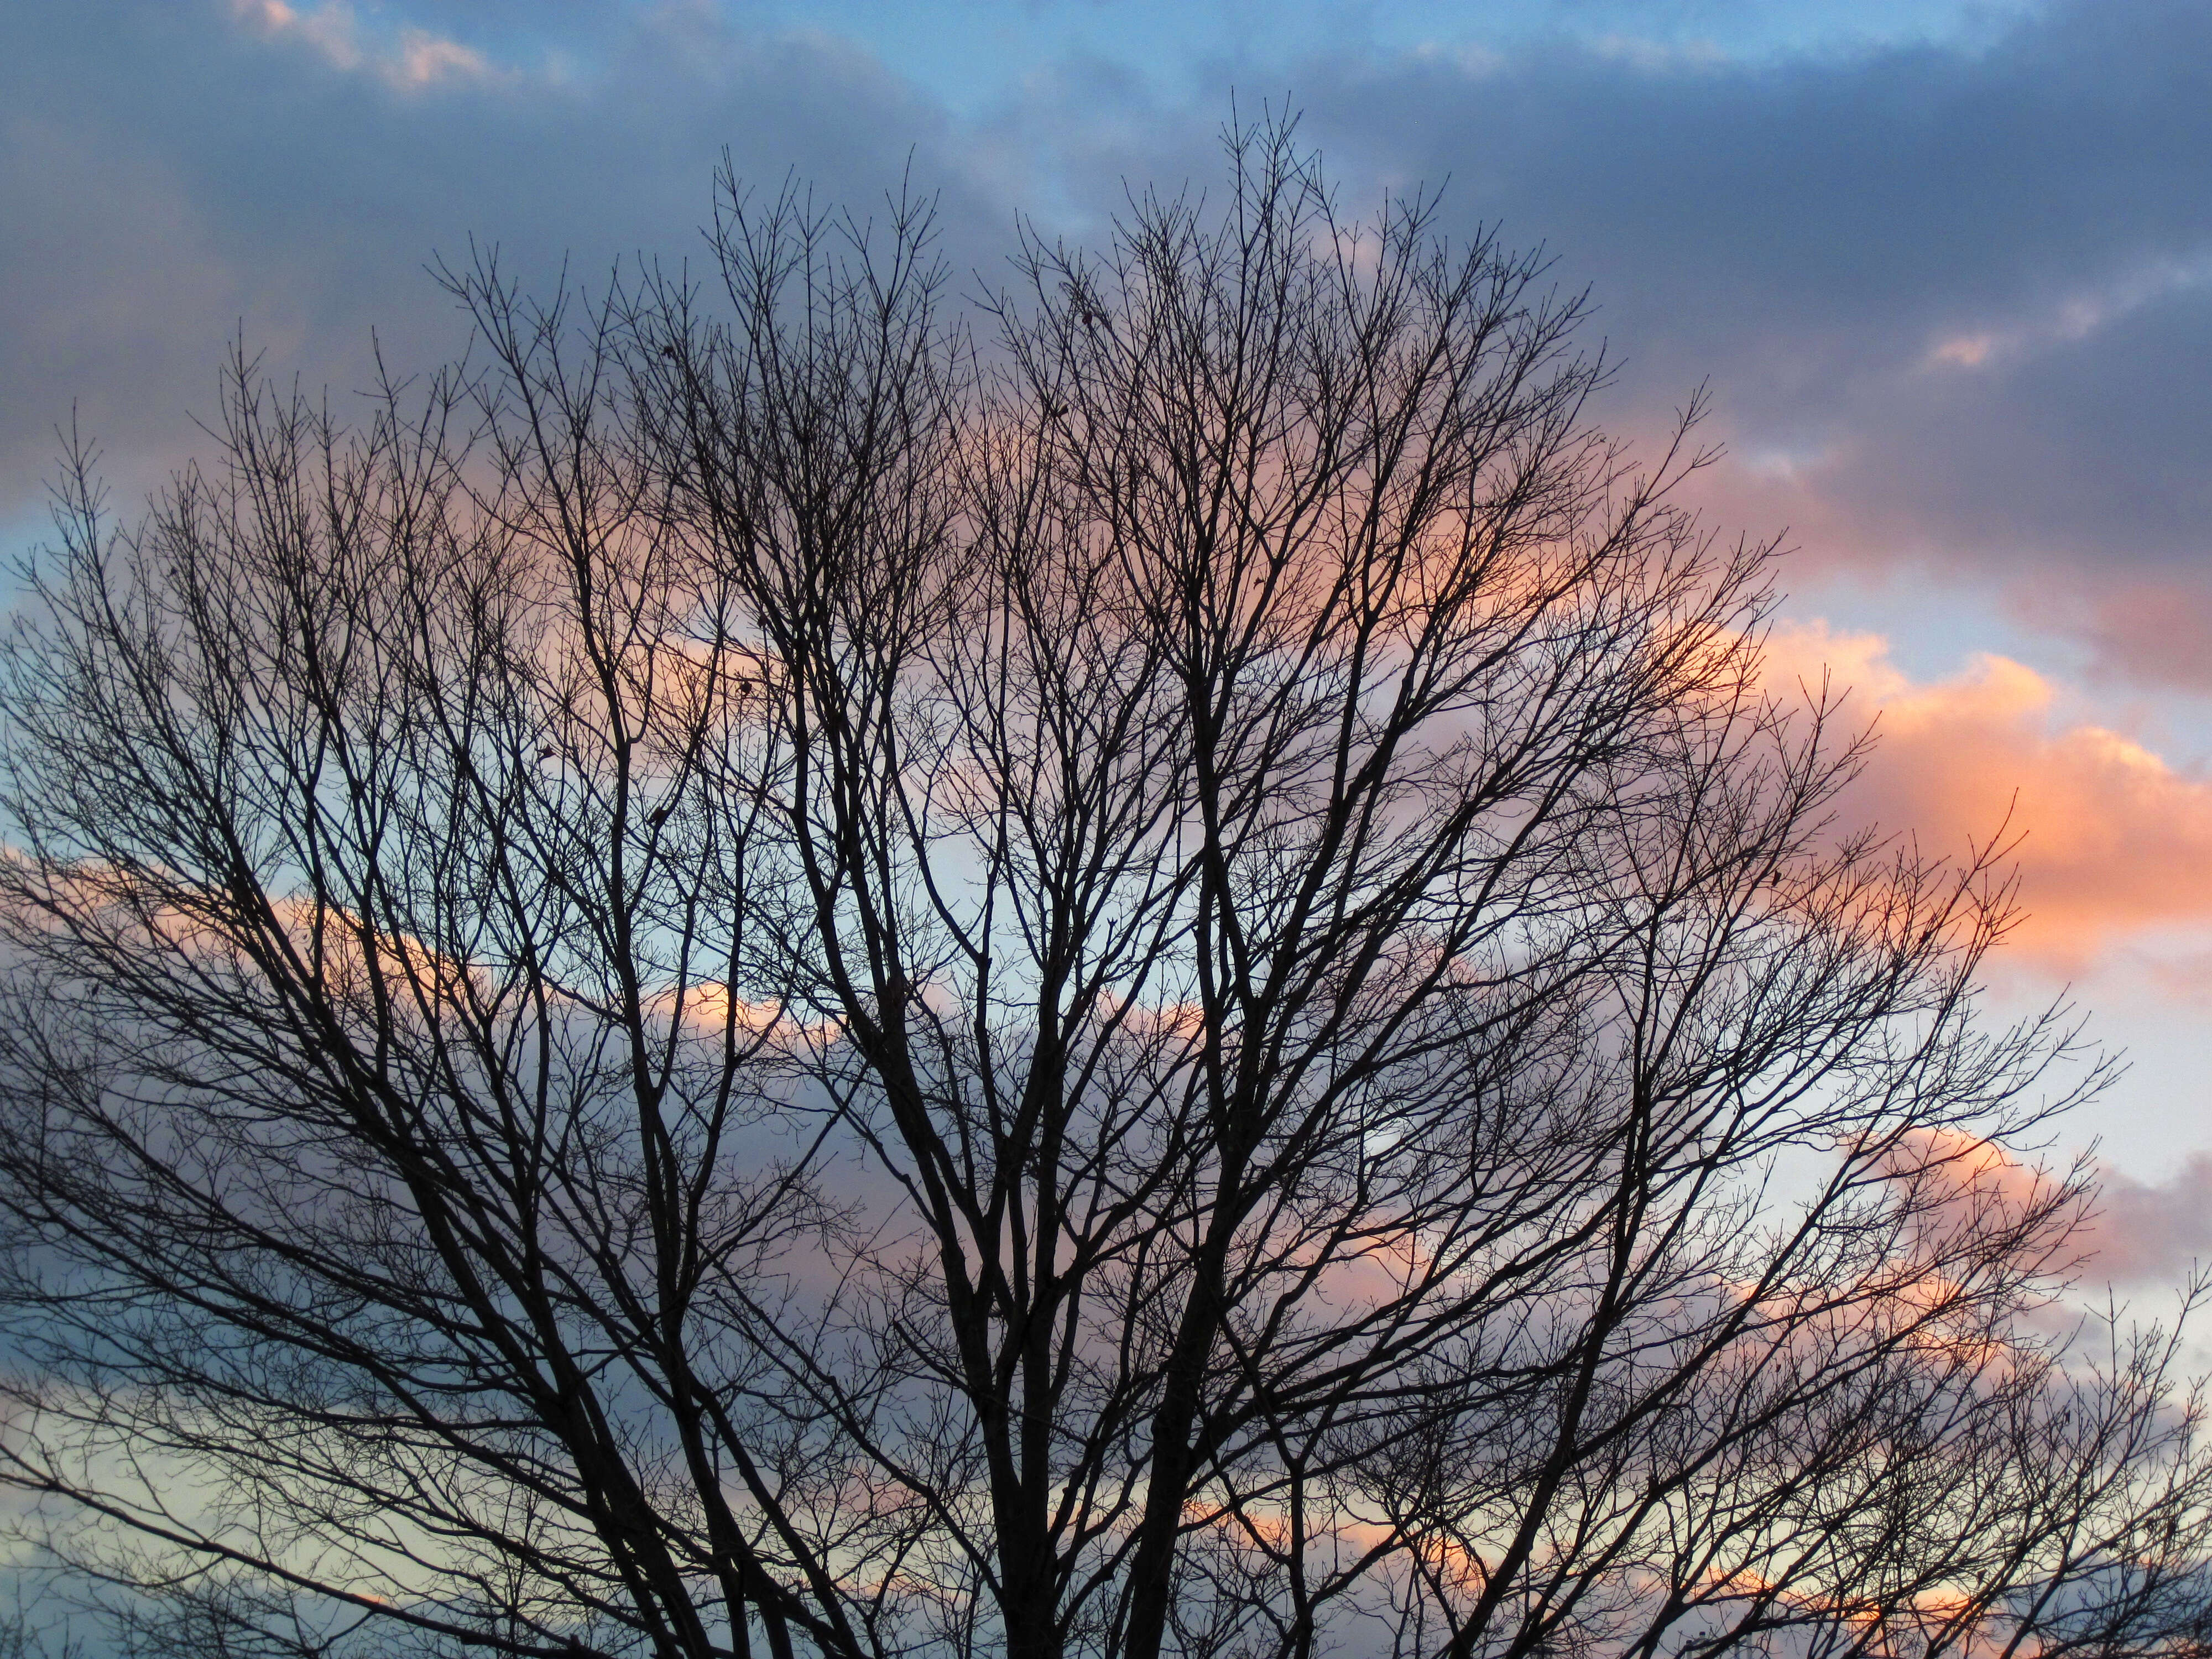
{"x": 177, "y": 173}
{"x": 1956, "y": 301}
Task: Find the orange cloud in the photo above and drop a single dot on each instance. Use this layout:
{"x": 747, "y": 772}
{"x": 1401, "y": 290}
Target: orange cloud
{"x": 706, "y": 1008}
{"x": 2112, "y": 840}
{"x": 1966, "y": 1173}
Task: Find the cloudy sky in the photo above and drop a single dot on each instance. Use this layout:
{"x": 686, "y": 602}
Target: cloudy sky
{"x": 1946, "y": 267}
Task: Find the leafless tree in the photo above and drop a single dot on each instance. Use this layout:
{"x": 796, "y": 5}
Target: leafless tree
{"x": 749, "y": 973}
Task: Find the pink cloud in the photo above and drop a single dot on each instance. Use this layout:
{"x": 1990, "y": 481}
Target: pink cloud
{"x": 2131, "y": 1232}
{"x": 2147, "y": 1234}
{"x": 2143, "y": 629}
{"x": 2111, "y": 840}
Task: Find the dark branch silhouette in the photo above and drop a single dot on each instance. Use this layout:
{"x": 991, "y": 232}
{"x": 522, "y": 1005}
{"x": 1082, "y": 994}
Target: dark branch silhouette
{"x": 753, "y": 976}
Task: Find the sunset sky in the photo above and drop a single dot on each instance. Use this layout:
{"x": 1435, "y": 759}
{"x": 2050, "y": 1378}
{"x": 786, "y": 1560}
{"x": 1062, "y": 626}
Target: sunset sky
{"x": 1946, "y": 268}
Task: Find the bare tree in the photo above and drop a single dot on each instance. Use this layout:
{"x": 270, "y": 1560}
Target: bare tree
{"x": 749, "y": 975}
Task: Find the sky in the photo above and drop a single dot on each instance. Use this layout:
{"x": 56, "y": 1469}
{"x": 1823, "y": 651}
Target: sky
{"x": 1945, "y": 268}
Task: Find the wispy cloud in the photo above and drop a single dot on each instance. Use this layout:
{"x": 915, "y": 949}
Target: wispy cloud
{"x": 407, "y": 57}
{"x": 2073, "y": 316}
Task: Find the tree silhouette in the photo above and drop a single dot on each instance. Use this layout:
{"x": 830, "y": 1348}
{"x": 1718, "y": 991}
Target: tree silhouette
{"x": 753, "y": 974}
